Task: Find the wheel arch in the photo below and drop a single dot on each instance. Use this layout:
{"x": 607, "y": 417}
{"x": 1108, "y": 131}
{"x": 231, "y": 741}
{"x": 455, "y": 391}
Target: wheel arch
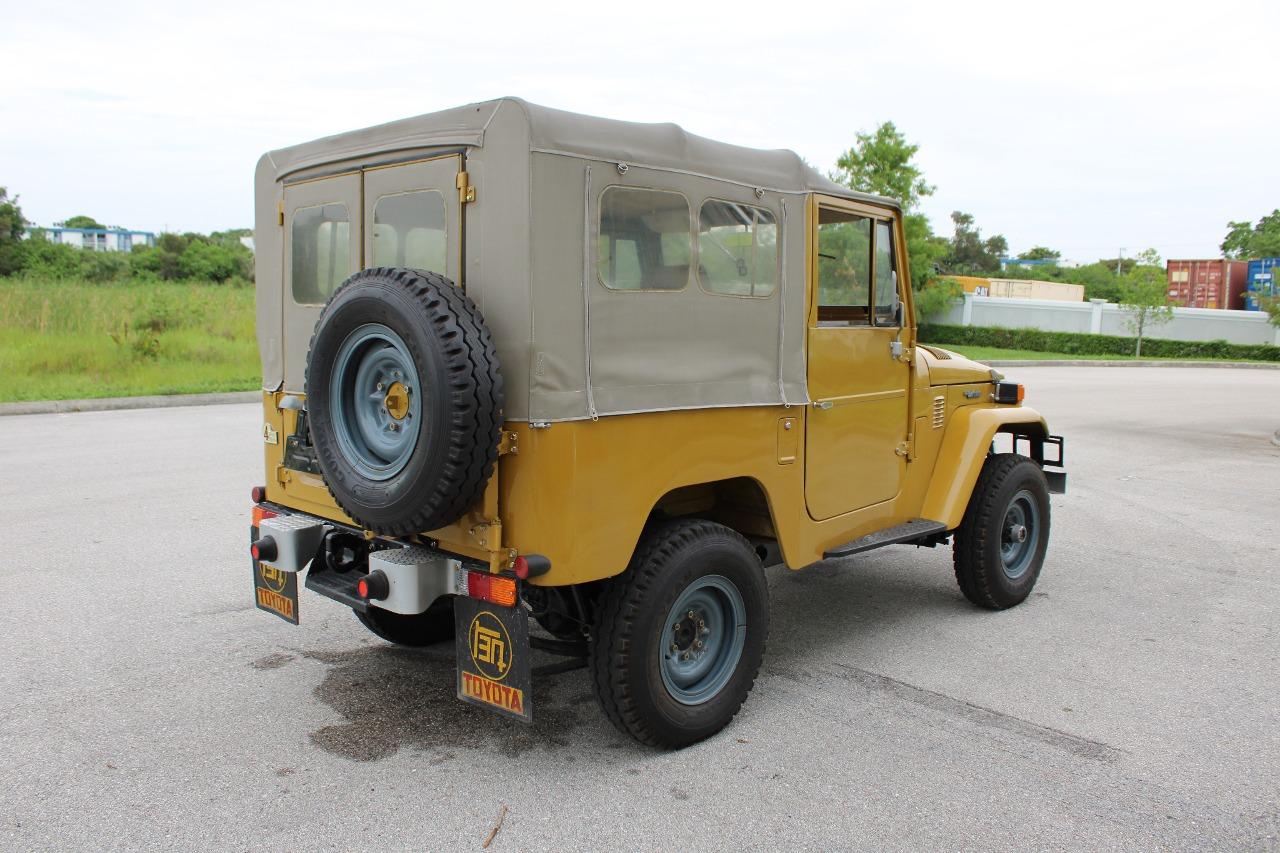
{"x": 964, "y": 449}
{"x": 740, "y": 503}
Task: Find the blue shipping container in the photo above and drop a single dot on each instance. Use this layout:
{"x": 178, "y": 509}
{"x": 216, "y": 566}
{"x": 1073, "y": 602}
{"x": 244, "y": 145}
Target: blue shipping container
{"x": 1261, "y": 278}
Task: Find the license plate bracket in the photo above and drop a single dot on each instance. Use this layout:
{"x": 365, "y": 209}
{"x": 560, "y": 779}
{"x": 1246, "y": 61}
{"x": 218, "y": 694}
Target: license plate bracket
{"x": 492, "y": 644}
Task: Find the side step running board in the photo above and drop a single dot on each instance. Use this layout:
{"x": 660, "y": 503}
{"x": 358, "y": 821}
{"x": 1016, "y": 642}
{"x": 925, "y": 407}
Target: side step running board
{"x": 916, "y": 528}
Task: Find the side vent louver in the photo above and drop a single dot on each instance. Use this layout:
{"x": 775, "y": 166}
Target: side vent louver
{"x": 939, "y": 411}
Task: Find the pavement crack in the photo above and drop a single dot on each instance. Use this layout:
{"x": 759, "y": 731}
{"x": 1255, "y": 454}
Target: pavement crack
{"x": 1076, "y": 745}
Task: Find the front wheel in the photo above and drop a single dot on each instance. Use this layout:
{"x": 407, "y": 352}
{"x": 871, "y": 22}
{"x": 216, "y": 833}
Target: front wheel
{"x": 679, "y": 637}
{"x": 1000, "y": 546}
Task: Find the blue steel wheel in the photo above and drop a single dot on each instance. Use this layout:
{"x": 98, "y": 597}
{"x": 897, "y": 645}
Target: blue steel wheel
{"x": 677, "y": 639}
{"x": 706, "y": 631}
{"x": 1019, "y": 535}
{"x": 376, "y": 401}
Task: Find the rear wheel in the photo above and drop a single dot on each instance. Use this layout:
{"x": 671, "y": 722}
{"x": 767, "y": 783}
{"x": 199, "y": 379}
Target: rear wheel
{"x": 679, "y": 637}
{"x": 413, "y": 630}
{"x": 1000, "y": 546}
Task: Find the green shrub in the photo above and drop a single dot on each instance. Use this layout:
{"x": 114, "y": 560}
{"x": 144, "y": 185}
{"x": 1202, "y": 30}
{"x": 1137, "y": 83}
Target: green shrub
{"x": 1075, "y": 343}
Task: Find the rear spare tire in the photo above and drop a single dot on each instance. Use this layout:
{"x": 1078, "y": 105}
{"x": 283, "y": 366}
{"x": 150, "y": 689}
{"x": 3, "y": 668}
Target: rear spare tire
{"x": 404, "y": 400}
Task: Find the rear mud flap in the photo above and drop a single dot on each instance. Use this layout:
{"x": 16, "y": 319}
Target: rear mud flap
{"x": 493, "y": 657}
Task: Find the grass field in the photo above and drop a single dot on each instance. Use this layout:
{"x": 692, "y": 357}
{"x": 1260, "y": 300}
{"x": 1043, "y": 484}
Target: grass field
{"x": 64, "y": 340}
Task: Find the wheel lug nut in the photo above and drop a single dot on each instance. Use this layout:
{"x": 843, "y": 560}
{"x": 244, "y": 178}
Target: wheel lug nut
{"x": 692, "y": 615}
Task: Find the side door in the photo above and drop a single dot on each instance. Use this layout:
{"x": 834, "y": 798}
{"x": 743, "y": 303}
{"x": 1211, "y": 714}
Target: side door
{"x": 401, "y": 215}
{"x": 857, "y": 428}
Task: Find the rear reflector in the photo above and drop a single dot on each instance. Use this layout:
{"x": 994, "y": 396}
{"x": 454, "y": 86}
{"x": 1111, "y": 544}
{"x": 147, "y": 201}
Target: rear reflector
{"x": 491, "y": 588}
{"x": 374, "y": 585}
{"x": 260, "y": 513}
{"x": 258, "y": 494}
{"x": 264, "y": 549}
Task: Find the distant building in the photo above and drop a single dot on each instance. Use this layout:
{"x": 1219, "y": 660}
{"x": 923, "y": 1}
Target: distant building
{"x": 97, "y": 239}
{"x": 1016, "y": 288}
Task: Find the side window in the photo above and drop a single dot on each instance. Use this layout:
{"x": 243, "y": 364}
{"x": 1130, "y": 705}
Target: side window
{"x": 645, "y": 240}
{"x": 321, "y": 244}
{"x": 737, "y": 249}
{"x": 409, "y": 231}
{"x": 886, "y": 275}
{"x": 844, "y": 268}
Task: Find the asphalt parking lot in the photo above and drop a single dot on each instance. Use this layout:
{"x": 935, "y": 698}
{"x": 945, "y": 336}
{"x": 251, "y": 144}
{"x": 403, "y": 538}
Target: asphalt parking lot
{"x": 1132, "y": 702}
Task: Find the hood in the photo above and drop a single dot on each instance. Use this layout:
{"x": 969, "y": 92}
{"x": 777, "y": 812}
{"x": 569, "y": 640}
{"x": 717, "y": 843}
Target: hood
{"x": 951, "y": 368}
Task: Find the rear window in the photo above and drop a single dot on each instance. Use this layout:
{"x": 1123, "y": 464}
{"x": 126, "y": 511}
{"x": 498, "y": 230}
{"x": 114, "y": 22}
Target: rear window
{"x": 645, "y": 239}
{"x": 409, "y": 231}
{"x": 321, "y": 245}
{"x": 737, "y": 249}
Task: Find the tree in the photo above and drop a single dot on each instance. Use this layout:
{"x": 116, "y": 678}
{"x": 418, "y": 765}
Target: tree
{"x": 1040, "y": 253}
{"x": 83, "y": 222}
{"x": 969, "y": 252}
{"x": 12, "y": 226}
{"x": 880, "y": 163}
{"x": 1144, "y": 297}
{"x": 1245, "y": 240}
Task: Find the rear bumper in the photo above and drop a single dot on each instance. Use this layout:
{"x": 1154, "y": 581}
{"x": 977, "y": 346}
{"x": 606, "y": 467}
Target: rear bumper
{"x": 336, "y": 557}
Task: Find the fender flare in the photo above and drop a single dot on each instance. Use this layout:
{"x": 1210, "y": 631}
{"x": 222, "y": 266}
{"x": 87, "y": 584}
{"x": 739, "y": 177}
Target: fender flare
{"x": 963, "y": 451}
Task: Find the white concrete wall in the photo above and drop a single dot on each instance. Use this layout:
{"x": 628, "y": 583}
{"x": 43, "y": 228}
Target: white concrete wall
{"x": 1107, "y": 318}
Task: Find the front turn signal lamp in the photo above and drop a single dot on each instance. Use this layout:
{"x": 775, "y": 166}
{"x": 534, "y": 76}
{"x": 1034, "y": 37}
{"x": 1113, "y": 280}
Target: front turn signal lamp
{"x": 1010, "y": 393}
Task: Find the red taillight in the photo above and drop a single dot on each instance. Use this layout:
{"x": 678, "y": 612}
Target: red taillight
{"x": 362, "y": 588}
{"x": 258, "y": 494}
{"x": 491, "y": 588}
{"x": 253, "y": 550}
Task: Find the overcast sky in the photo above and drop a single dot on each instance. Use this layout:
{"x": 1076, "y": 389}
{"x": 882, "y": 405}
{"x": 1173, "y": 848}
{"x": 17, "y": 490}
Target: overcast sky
{"x": 1085, "y": 127}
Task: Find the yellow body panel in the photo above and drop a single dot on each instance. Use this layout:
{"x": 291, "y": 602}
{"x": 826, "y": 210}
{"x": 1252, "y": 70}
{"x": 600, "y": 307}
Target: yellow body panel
{"x": 581, "y": 492}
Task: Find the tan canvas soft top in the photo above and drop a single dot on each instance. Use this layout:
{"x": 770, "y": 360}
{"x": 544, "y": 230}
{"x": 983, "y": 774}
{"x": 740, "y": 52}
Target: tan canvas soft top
{"x": 571, "y": 347}
{"x": 663, "y": 145}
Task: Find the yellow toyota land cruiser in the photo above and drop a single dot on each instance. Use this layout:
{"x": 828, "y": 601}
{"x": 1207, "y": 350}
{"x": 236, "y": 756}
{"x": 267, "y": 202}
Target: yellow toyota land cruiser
{"x": 520, "y": 363}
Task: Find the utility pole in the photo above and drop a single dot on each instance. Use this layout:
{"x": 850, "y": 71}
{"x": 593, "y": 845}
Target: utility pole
{"x": 1118, "y": 260}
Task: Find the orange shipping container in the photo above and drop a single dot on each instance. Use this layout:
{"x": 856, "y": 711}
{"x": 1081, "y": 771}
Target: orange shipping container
{"x": 1207, "y": 284}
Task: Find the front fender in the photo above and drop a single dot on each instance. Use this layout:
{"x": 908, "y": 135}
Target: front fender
{"x": 964, "y": 449}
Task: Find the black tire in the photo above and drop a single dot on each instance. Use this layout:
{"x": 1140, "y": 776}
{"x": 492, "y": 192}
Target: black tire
{"x": 984, "y": 536}
{"x": 414, "y": 631}
{"x": 460, "y": 388}
{"x": 630, "y": 630}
